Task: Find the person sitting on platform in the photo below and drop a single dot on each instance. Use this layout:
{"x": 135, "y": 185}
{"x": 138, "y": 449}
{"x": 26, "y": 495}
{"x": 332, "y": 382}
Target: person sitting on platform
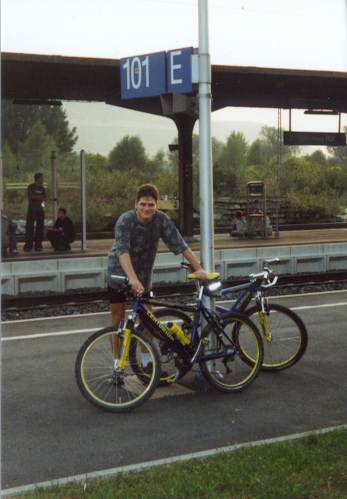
{"x": 63, "y": 232}
{"x": 240, "y": 228}
{"x": 8, "y": 236}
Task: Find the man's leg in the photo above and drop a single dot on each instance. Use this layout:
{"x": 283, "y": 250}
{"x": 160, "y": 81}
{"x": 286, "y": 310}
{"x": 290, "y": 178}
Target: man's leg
{"x": 117, "y": 316}
{"x": 29, "y": 231}
{"x": 52, "y": 237}
{"x": 40, "y": 216}
{"x": 117, "y": 313}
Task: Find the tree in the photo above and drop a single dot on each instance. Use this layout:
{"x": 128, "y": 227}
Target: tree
{"x": 57, "y": 126}
{"x": 256, "y": 153}
{"x": 230, "y": 162}
{"x": 19, "y": 120}
{"x": 35, "y": 150}
{"x": 269, "y": 138}
{"x": 317, "y": 158}
{"x": 128, "y": 154}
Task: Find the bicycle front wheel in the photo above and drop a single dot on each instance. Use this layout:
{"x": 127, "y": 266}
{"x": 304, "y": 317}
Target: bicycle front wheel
{"x": 284, "y": 335}
{"x": 110, "y": 388}
{"x": 222, "y": 360}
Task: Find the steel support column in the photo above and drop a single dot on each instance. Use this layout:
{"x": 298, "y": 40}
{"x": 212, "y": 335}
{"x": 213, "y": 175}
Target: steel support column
{"x": 185, "y": 124}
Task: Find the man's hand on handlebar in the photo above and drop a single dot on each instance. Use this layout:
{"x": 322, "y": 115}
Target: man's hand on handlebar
{"x": 136, "y": 287}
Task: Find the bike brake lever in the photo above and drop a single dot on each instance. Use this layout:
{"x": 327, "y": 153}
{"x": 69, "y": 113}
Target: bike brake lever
{"x": 271, "y": 283}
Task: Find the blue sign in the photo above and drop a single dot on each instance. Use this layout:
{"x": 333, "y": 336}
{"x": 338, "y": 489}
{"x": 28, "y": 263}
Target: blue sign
{"x": 143, "y": 75}
{"x": 179, "y": 71}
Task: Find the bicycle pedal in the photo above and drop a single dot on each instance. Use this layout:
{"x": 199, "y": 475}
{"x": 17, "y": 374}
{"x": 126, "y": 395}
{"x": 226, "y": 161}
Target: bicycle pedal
{"x": 171, "y": 379}
{"x": 219, "y": 374}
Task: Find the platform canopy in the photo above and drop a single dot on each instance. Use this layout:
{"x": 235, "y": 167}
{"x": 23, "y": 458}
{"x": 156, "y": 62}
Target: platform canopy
{"x": 33, "y": 78}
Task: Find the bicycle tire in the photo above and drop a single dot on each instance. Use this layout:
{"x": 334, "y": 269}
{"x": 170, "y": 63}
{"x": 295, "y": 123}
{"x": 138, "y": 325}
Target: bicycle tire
{"x": 280, "y": 354}
{"x": 166, "y": 355}
{"x": 94, "y": 370}
{"x": 237, "y": 376}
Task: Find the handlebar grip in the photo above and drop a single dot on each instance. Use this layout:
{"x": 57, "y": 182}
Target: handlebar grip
{"x": 119, "y": 278}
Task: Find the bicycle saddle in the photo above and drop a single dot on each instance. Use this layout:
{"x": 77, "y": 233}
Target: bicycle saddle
{"x": 209, "y": 276}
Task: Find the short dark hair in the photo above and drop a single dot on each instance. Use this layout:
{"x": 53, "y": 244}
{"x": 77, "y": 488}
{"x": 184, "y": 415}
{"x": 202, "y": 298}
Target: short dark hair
{"x": 147, "y": 191}
{"x": 37, "y": 176}
{"x": 62, "y": 209}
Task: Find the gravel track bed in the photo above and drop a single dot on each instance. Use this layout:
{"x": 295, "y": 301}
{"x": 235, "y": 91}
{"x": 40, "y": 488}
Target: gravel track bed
{"x": 103, "y": 306}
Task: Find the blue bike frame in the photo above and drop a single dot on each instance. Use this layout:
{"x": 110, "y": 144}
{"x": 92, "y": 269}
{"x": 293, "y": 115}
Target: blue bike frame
{"x": 249, "y": 290}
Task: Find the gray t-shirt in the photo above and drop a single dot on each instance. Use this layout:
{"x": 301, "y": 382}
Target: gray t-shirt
{"x": 141, "y": 241}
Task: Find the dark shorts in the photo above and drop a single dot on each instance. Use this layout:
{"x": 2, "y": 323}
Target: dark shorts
{"x": 116, "y": 295}
{"x": 119, "y": 296}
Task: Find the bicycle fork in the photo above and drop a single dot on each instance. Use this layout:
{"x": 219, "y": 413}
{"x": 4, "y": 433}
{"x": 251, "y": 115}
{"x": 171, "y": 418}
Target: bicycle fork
{"x": 263, "y": 318}
{"x": 125, "y": 348}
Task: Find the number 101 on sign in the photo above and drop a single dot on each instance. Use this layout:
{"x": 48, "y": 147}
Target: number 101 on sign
{"x": 143, "y": 76}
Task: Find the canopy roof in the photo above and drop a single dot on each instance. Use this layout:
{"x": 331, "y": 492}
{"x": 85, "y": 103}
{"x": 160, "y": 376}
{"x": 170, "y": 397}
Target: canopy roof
{"x": 38, "y": 78}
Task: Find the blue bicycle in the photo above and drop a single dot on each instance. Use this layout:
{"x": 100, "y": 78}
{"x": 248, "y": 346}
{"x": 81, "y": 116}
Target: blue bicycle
{"x": 284, "y": 334}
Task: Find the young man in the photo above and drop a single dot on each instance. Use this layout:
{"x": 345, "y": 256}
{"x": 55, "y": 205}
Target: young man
{"x": 137, "y": 234}
{"x": 35, "y": 214}
{"x": 62, "y": 233}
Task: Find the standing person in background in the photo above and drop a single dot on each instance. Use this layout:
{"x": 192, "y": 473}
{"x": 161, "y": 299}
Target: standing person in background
{"x": 35, "y": 214}
{"x": 62, "y": 233}
{"x": 137, "y": 234}
{"x": 8, "y": 236}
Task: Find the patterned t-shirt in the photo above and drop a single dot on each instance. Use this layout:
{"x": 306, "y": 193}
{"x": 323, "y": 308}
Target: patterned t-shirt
{"x": 141, "y": 241}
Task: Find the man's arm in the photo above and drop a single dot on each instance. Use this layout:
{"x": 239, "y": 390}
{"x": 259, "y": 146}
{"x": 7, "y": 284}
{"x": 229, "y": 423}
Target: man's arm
{"x": 33, "y": 197}
{"x": 127, "y": 266}
{"x": 191, "y": 259}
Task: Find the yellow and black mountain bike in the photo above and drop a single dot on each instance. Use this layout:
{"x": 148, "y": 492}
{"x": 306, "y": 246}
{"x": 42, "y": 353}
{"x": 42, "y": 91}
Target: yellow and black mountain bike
{"x": 110, "y": 371}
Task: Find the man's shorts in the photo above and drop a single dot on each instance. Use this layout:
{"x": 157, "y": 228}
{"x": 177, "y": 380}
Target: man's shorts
{"x": 116, "y": 295}
{"x": 120, "y": 296}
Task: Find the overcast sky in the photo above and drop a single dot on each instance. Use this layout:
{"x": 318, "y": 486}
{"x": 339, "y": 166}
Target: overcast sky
{"x": 309, "y": 34}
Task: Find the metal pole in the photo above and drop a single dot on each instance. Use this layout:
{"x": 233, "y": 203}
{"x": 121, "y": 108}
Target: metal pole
{"x": 54, "y": 185}
{"x": 205, "y": 156}
{"x": 205, "y": 146}
{"x": 83, "y": 201}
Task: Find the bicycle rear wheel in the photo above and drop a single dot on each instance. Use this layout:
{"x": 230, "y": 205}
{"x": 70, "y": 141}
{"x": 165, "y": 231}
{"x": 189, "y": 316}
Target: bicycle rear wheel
{"x": 223, "y": 362}
{"x": 172, "y": 368}
{"x": 115, "y": 390}
{"x": 284, "y": 335}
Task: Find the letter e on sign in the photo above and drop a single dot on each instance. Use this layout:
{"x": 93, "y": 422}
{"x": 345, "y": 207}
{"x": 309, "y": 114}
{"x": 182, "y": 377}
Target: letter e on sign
{"x": 179, "y": 71}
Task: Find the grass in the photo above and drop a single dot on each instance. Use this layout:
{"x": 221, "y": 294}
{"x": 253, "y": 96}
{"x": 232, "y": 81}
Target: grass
{"x": 314, "y": 467}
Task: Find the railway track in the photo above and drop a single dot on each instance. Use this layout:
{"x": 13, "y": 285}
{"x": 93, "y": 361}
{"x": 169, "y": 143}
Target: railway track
{"x": 82, "y": 296}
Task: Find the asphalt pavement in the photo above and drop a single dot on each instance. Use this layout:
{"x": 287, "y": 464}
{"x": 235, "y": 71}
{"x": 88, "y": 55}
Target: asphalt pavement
{"x": 49, "y": 431}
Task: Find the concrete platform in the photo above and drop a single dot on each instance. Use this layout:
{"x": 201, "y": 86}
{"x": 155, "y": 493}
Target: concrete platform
{"x": 101, "y": 247}
{"x": 299, "y": 252}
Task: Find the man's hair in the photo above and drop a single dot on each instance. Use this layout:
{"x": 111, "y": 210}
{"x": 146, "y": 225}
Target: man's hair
{"x": 37, "y": 176}
{"x": 62, "y": 209}
{"x": 147, "y": 191}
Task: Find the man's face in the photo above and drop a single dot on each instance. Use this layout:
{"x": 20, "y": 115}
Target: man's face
{"x": 61, "y": 214}
{"x": 39, "y": 180}
{"x": 146, "y": 208}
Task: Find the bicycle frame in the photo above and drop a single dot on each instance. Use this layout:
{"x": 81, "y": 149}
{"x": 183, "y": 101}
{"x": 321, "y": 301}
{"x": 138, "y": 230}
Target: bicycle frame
{"x": 252, "y": 290}
{"x": 188, "y": 353}
{"x": 249, "y": 291}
